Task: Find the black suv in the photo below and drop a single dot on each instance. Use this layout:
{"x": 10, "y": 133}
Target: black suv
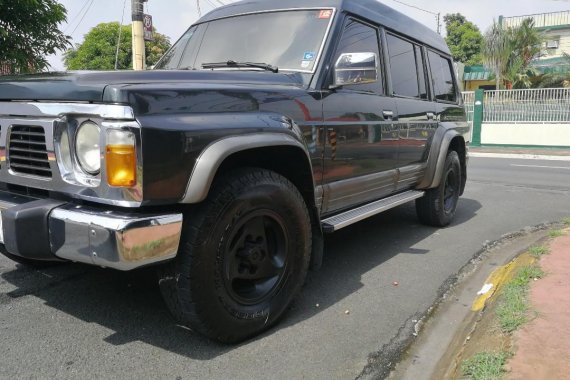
{"x": 268, "y": 124}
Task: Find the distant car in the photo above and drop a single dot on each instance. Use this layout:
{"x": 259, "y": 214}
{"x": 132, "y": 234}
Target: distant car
{"x": 266, "y": 125}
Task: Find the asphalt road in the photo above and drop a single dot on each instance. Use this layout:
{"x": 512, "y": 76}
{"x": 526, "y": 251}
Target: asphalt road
{"x": 75, "y": 321}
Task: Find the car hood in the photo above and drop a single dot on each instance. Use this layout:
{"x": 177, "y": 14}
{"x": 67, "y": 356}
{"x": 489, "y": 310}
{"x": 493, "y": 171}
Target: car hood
{"x": 90, "y": 86}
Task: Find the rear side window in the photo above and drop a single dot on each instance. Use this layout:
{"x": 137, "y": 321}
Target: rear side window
{"x": 406, "y": 68}
{"x": 442, "y": 76}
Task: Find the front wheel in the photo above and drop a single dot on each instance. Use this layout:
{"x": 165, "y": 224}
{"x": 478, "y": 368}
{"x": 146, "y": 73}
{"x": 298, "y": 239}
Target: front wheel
{"x": 244, "y": 256}
{"x": 438, "y": 206}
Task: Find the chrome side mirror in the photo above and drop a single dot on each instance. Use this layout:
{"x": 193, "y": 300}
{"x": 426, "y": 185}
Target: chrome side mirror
{"x": 355, "y": 68}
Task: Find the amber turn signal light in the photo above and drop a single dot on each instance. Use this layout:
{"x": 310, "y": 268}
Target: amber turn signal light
{"x": 121, "y": 160}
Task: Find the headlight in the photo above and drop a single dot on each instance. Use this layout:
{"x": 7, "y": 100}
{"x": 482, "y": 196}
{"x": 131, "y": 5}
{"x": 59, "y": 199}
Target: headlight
{"x": 87, "y": 147}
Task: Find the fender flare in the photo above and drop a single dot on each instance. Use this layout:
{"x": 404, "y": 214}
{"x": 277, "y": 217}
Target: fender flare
{"x": 214, "y": 155}
{"x": 438, "y": 154}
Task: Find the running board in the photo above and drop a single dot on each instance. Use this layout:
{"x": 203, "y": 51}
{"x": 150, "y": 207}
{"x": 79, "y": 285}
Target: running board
{"x": 335, "y": 223}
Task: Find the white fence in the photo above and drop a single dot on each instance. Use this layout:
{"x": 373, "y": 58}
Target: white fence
{"x": 551, "y": 105}
{"x": 469, "y": 100}
{"x": 536, "y": 117}
{"x": 543, "y": 106}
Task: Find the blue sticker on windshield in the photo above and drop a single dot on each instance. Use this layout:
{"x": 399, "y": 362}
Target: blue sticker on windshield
{"x": 309, "y": 56}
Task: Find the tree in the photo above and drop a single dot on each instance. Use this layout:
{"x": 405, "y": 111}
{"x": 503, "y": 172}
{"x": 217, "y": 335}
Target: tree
{"x": 464, "y": 39}
{"x": 29, "y": 32}
{"x": 98, "y": 50}
{"x": 509, "y": 51}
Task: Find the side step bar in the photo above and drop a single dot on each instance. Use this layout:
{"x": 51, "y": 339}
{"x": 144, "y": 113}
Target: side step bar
{"x": 335, "y": 223}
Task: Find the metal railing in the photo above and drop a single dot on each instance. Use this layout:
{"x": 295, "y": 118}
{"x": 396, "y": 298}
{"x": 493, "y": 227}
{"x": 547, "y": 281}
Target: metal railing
{"x": 543, "y": 20}
{"x": 540, "y": 106}
{"x": 550, "y": 105}
{"x": 469, "y": 100}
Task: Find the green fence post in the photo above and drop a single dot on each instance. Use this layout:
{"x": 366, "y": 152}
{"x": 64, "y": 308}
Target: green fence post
{"x": 477, "y": 117}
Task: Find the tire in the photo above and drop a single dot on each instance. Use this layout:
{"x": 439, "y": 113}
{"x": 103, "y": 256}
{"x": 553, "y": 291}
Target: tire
{"x": 243, "y": 257}
{"x": 438, "y": 206}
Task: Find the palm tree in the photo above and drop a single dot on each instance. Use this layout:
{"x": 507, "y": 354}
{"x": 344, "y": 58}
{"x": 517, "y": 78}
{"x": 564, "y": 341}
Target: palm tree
{"x": 509, "y": 51}
{"x": 497, "y": 50}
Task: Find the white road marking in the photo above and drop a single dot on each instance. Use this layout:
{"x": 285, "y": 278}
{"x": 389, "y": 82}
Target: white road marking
{"x": 542, "y": 167}
{"x": 520, "y": 156}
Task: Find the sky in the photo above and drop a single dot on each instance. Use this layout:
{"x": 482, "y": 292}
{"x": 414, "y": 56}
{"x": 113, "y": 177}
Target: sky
{"x": 173, "y": 17}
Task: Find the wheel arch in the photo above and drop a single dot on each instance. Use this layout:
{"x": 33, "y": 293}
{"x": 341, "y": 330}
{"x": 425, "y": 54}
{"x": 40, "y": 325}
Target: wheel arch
{"x": 279, "y": 152}
{"x": 445, "y": 139}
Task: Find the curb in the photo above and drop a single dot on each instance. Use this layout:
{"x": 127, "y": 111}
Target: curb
{"x": 519, "y": 156}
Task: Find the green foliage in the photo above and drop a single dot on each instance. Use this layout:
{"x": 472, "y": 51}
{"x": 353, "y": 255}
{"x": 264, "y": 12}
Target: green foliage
{"x": 509, "y": 51}
{"x": 98, "y": 50}
{"x": 566, "y": 221}
{"x": 29, "y": 32}
{"x": 485, "y": 365}
{"x": 556, "y": 80}
{"x": 512, "y": 311}
{"x": 555, "y": 233}
{"x": 537, "y": 251}
{"x": 464, "y": 39}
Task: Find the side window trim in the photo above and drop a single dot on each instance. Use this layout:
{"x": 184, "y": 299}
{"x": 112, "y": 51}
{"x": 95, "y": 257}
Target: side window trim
{"x": 382, "y": 82}
{"x": 429, "y": 76}
{"x": 422, "y": 73}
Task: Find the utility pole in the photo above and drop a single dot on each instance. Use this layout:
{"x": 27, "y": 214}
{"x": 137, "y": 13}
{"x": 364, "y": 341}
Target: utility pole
{"x": 139, "y": 58}
{"x": 439, "y": 23}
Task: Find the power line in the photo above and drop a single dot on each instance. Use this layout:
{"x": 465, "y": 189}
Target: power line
{"x": 84, "y": 14}
{"x": 120, "y": 32}
{"x": 76, "y": 16}
{"x": 416, "y": 7}
{"x": 437, "y": 15}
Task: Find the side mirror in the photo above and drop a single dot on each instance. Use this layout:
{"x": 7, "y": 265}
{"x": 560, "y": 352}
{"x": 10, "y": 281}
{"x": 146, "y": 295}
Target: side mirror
{"x": 355, "y": 68}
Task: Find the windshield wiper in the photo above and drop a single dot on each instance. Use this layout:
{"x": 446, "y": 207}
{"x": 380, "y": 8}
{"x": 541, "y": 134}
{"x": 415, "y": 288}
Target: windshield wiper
{"x": 230, "y": 63}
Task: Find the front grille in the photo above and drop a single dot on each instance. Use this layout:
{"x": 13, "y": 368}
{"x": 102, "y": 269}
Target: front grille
{"x": 27, "y": 151}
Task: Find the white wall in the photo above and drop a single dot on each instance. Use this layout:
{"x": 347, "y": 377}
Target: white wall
{"x": 561, "y": 35}
{"x": 526, "y": 134}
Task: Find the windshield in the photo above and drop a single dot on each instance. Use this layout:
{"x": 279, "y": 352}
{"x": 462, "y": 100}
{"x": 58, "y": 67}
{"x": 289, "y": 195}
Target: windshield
{"x": 289, "y": 40}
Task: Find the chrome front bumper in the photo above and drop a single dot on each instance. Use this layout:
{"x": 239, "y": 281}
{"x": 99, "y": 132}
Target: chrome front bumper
{"x": 90, "y": 235}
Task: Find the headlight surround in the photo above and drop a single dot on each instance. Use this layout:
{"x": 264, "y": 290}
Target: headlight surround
{"x": 87, "y": 149}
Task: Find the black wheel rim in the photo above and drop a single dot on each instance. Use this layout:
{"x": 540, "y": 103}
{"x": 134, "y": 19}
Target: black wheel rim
{"x": 451, "y": 191}
{"x": 255, "y": 257}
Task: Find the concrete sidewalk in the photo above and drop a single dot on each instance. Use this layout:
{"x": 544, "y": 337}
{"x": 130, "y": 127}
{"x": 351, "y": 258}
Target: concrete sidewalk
{"x": 542, "y": 347}
{"x": 523, "y": 153}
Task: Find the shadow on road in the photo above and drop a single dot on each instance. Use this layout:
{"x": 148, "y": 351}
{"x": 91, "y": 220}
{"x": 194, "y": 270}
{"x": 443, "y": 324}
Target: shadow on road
{"x": 130, "y": 305}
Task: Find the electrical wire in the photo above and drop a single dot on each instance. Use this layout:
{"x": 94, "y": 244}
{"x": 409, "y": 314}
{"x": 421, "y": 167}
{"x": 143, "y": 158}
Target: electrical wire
{"x": 76, "y": 16}
{"x": 120, "y": 32}
{"x": 415, "y": 7}
{"x": 84, "y": 14}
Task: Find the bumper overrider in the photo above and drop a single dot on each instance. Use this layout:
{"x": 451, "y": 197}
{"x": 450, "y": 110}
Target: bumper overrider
{"x": 52, "y": 230}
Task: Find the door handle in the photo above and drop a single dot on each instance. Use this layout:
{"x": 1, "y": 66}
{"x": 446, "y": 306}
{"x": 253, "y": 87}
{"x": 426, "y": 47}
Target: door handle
{"x": 388, "y": 114}
{"x": 430, "y": 115}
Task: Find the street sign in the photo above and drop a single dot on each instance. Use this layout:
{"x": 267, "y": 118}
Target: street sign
{"x": 147, "y": 25}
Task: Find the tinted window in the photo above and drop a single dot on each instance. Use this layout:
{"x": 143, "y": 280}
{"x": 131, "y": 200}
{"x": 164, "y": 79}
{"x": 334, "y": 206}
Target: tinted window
{"x": 403, "y": 67}
{"x": 172, "y": 58}
{"x": 290, "y": 40}
{"x": 442, "y": 76}
{"x": 360, "y": 38}
{"x": 421, "y": 73}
